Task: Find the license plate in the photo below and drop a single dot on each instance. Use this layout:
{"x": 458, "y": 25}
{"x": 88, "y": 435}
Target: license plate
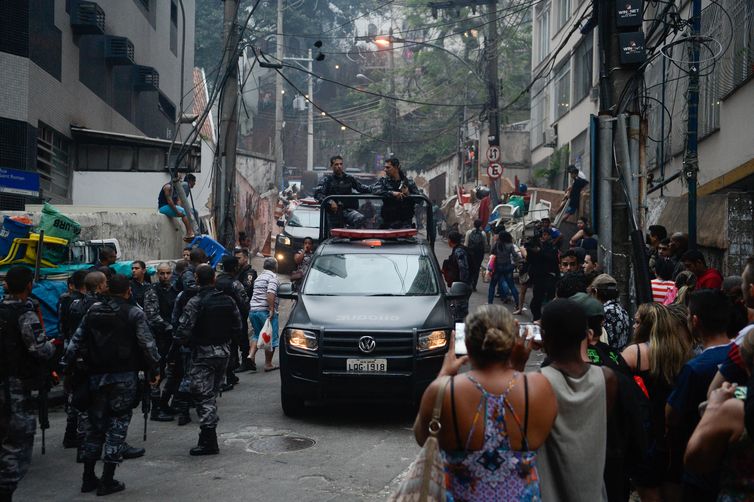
{"x": 366, "y": 365}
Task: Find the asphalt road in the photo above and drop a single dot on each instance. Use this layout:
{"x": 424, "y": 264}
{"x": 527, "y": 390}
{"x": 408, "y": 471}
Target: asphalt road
{"x": 334, "y": 454}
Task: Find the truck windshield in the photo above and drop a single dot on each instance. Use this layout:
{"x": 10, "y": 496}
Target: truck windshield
{"x": 304, "y": 218}
{"x": 371, "y": 275}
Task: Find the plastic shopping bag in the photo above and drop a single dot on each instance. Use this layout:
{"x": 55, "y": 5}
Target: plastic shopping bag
{"x": 265, "y": 337}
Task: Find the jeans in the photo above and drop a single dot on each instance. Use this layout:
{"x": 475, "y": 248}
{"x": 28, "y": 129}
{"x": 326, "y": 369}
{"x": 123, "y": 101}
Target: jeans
{"x": 507, "y": 285}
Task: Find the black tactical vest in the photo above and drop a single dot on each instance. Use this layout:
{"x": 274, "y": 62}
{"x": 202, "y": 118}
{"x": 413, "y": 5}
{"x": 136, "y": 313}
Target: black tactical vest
{"x": 166, "y": 298}
{"x": 214, "y": 322}
{"x": 15, "y": 360}
{"x": 110, "y": 339}
{"x": 343, "y": 186}
{"x": 224, "y": 283}
{"x": 78, "y": 308}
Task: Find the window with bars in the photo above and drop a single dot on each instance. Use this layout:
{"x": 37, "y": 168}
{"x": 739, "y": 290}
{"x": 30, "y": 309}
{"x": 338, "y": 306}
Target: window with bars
{"x": 53, "y": 163}
{"x": 582, "y": 68}
{"x": 562, "y": 83}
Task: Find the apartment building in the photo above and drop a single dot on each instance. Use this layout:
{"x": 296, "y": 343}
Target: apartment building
{"x": 90, "y": 94}
{"x": 565, "y": 95}
{"x": 563, "y": 100}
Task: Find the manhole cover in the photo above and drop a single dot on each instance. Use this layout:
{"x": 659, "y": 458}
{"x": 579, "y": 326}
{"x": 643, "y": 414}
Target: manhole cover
{"x": 281, "y": 444}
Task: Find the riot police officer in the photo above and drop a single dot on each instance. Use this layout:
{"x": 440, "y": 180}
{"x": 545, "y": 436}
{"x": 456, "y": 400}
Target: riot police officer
{"x": 113, "y": 342}
{"x": 210, "y": 322}
{"x": 180, "y": 358}
{"x": 247, "y": 275}
{"x": 226, "y": 282}
{"x": 396, "y": 188}
{"x": 23, "y": 355}
{"x": 159, "y": 301}
{"x": 344, "y": 212}
{"x": 77, "y": 291}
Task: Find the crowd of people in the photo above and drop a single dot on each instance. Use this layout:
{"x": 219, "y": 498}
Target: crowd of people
{"x": 657, "y": 405}
{"x": 173, "y": 345}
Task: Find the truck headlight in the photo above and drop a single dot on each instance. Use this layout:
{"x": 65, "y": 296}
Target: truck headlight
{"x": 300, "y": 339}
{"x": 284, "y": 240}
{"x": 432, "y": 340}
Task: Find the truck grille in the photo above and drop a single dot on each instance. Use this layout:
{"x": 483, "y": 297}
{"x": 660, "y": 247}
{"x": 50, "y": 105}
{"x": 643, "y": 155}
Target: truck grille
{"x": 387, "y": 344}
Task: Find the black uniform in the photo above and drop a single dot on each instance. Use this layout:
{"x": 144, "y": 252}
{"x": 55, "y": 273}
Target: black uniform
{"x": 396, "y": 213}
{"x": 138, "y": 290}
{"x": 347, "y": 213}
{"x": 235, "y": 290}
{"x": 24, "y": 351}
{"x": 247, "y": 276}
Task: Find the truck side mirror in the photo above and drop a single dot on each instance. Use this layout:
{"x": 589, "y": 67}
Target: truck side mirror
{"x": 281, "y": 223}
{"x": 286, "y": 292}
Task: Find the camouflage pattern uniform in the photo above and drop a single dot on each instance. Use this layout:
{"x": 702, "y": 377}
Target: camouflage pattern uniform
{"x": 76, "y": 313}
{"x": 208, "y": 362}
{"x": 66, "y": 329}
{"x": 178, "y": 371}
{"x": 113, "y": 395}
{"x": 233, "y": 288}
{"x": 17, "y": 421}
{"x": 347, "y": 213}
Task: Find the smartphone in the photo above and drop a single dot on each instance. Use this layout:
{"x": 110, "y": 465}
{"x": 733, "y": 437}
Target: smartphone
{"x": 460, "y": 342}
{"x": 530, "y": 331}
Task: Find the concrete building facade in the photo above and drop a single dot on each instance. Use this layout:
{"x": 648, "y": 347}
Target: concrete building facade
{"x": 90, "y": 94}
{"x": 567, "y": 94}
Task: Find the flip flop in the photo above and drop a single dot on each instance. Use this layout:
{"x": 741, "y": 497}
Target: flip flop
{"x": 267, "y": 370}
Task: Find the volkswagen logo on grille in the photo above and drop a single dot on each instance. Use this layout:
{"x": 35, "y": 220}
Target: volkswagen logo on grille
{"x": 366, "y": 344}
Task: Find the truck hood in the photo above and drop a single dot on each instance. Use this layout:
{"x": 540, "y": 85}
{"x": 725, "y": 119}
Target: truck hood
{"x": 371, "y": 312}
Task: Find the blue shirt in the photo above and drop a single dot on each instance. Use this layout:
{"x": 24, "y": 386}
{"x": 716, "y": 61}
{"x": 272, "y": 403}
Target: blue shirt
{"x": 692, "y": 384}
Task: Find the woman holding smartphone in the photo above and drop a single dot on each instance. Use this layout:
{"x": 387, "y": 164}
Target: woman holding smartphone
{"x": 493, "y": 411}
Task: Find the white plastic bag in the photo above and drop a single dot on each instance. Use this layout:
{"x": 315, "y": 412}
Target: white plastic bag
{"x": 265, "y": 337}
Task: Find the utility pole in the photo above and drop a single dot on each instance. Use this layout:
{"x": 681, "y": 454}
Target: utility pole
{"x": 392, "y": 106}
{"x": 691, "y": 157}
{"x": 279, "y": 40}
{"x": 225, "y": 181}
{"x": 492, "y": 77}
{"x": 310, "y": 120}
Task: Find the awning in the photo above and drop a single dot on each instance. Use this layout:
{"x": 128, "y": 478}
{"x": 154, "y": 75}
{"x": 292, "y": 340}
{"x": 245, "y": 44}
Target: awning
{"x": 712, "y": 219}
{"x": 109, "y": 138}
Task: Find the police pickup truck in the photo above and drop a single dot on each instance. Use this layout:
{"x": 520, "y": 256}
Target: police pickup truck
{"x": 372, "y": 320}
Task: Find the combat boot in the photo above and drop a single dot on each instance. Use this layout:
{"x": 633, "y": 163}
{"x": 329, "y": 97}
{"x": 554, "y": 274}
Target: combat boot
{"x": 158, "y": 413}
{"x": 246, "y": 365}
{"x": 207, "y": 444}
{"x": 108, "y": 484}
{"x": 89, "y": 481}
{"x": 181, "y": 403}
{"x": 71, "y": 436}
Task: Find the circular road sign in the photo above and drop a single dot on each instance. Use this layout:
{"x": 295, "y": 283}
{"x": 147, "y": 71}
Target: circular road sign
{"x": 494, "y": 170}
{"x": 493, "y": 153}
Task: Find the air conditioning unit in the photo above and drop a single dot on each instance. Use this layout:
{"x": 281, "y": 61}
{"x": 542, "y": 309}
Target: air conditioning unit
{"x": 146, "y": 78}
{"x": 594, "y": 93}
{"x": 87, "y": 18}
{"x": 550, "y": 137}
{"x": 119, "y": 50}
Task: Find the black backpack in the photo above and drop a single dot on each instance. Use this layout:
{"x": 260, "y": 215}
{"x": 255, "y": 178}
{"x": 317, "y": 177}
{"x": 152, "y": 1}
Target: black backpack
{"x": 477, "y": 241}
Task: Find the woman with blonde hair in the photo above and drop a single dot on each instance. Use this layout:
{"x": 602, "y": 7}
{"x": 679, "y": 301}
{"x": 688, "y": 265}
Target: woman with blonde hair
{"x": 493, "y": 418}
{"x": 661, "y": 345}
